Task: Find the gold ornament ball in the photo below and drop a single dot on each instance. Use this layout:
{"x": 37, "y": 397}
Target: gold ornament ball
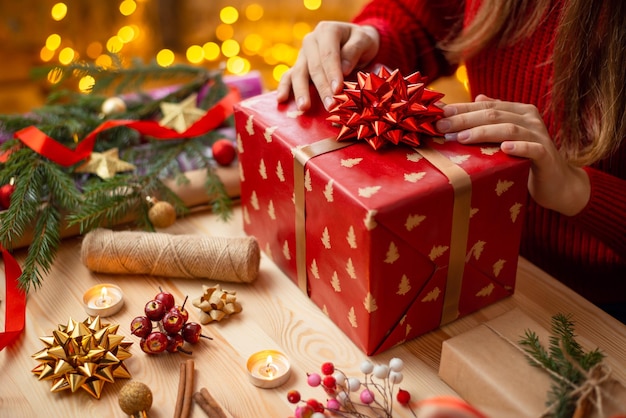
{"x": 162, "y": 215}
{"x": 135, "y": 398}
{"x": 113, "y": 105}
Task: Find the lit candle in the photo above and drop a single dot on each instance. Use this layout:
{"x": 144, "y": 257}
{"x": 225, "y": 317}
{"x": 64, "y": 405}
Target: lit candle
{"x": 268, "y": 369}
{"x": 103, "y": 300}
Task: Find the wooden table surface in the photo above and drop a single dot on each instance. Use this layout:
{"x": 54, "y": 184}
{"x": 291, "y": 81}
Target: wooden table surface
{"x": 276, "y": 315}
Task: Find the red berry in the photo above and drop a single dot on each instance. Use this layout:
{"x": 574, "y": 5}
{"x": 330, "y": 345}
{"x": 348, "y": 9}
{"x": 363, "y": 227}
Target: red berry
{"x": 293, "y": 396}
{"x": 223, "y": 151}
{"x": 329, "y": 382}
{"x": 403, "y": 397}
{"x": 192, "y": 331}
{"x": 154, "y": 343}
{"x": 181, "y": 309}
{"x": 166, "y": 298}
{"x": 155, "y": 310}
{"x": 173, "y": 322}
{"x": 141, "y": 326}
{"x": 315, "y": 405}
{"x": 5, "y": 195}
{"x": 328, "y": 368}
{"x": 175, "y": 343}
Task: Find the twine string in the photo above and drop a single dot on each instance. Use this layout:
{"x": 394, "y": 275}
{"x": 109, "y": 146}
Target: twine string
{"x": 161, "y": 254}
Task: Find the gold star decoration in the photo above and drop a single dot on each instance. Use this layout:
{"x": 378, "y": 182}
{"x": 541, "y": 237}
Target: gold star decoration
{"x": 83, "y": 355}
{"x": 180, "y": 116}
{"x": 105, "y": 165}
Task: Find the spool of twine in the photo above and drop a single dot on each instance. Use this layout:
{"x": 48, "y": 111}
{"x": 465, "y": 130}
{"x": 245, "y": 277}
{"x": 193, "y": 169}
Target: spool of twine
{"x": 161, "y": 254}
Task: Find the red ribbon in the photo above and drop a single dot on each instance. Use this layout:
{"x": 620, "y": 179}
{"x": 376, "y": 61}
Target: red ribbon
{"x": 46, "y": 146}
{"x": 15, "y": 301}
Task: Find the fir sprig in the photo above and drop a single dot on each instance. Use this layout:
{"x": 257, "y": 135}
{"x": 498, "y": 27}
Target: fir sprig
{"x": 565, "y": 359}
{"x": 41, "y": 195}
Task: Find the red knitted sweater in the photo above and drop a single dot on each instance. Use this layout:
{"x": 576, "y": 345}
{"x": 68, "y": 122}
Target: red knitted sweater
{"x": 586, "y": 251}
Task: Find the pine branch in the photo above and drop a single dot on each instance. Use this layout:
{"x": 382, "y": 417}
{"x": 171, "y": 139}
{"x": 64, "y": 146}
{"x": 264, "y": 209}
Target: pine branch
{"x": 105, "y": 203}
{"x": 566, "y": 358}
{"x": 25, "y": 201}
{"x": 43, "y": 247}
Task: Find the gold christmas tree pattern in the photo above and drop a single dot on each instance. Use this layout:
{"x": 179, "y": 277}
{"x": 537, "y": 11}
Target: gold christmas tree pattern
{"x": 83, "y": 355}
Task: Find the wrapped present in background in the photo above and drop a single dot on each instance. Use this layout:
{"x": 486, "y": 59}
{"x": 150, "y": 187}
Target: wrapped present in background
{"x": 387, "y": 244}
{"x": 489, "y": 367}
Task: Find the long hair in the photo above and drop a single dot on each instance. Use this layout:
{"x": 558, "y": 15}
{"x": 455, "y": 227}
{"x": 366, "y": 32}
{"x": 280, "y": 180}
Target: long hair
{"x": 589, "y": 85}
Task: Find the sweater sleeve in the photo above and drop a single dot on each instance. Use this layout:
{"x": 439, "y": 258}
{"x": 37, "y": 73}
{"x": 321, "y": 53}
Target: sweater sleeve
{"x": 605, "y": 214}
{"x": 410, "y": 30}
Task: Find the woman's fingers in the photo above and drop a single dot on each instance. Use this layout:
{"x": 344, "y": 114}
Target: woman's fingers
{"x": 531, "y": 150}
{"x": 331, "y": 51}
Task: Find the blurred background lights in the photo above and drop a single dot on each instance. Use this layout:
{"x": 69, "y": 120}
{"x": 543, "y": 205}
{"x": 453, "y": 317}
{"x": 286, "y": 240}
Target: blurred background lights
{"x": 66, "y": 55}
{"x": 46, "y": 54}
{"x": 300, "y": 29}
{"x": 278, "y": 71}
{"x": 104, "y": 61}
{"x": 53, "y": 42}
{"x": 254, "y": 12}
{"x": 94, "y": 49}
{"x": 165, "y": 57}
{"x": 224, "y": 32}
{"x": 235, "y": 36}
{"x": 195, "y": 54}
{"x": 237, "y": 65}
{"x": 312, "y": 4}
{"x": 126, "y": 34}
{"x": 128, "y": 7}
{"x": 86, "y": 83}
{"x": 230, "y": 48}
{"x": 252, "y": 43}
{"x": 229, "y": 15}
{"x": 59, "y": 11}
{"x": 54, "y": 75}
{"x": 114, "y": 44}
{"x": 461, "y": 76}
{"x": 211, "y": 51}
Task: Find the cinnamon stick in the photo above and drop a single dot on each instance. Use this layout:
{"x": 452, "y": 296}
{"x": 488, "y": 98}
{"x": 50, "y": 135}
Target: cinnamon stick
{"x": 188, "y": 393}
{"x": 181, "y": 391}
{"x": 208, "y": 404}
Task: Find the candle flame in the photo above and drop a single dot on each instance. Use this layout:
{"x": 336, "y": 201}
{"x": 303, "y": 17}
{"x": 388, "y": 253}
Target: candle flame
{"x": 269, "y": 367}
{"x": 105, "y": 300}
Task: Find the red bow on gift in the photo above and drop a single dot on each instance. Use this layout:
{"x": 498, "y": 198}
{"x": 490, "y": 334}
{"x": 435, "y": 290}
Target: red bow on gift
{"x": 386, "y": 107}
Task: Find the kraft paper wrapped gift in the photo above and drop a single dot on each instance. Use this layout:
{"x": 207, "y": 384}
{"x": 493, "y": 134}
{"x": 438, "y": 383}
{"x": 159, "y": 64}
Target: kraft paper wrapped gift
{"x": 368, "y": 234}
{"x": 487, "y": 367}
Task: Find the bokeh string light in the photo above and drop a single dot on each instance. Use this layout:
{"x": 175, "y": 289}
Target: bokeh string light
{"x": 238, "y": 36}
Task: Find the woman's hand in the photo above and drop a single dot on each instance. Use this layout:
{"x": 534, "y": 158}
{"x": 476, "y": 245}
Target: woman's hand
{"x": 331, "y": 51}
{"x": 553, "y": 183}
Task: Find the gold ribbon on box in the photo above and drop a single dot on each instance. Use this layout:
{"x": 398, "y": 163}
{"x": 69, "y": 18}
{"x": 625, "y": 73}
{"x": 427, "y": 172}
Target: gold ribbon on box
{"x": 461, "y": 184}
{"x": 386, "y": 108}
{"x": 301, "y": 156}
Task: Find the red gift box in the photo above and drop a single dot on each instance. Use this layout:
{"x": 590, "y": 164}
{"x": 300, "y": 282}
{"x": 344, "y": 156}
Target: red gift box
{"x": 390, "y": 243}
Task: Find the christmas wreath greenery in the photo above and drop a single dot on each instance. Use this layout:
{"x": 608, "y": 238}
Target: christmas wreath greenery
{"x": 46, "y": 196}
